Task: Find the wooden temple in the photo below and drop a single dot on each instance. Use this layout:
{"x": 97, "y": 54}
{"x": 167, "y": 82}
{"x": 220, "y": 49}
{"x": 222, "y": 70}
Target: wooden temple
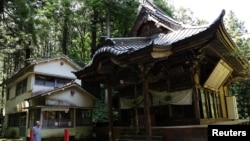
{"x": 167, "y": 74}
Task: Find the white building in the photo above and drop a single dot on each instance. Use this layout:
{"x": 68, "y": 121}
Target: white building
{"x": 48, "y": 91}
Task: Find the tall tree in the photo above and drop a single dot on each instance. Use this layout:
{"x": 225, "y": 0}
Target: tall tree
{"x": 18, "y": 32}
{"x": 186, "y": 16}
{"x": 110, "y": 18}
{"x": 34, "y": 29}
{"x": 237, "y": 30}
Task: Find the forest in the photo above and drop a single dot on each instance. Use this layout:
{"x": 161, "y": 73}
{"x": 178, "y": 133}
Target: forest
{"x": 35, "y": 29}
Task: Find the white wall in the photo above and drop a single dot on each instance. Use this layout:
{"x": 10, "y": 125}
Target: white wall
{"x": 79, "y": 98}
{"x": 56, "y": 67}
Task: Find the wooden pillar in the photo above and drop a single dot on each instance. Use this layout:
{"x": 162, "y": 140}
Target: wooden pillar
{"x": 196, "y": 90}
{"x": 147, "y": 111}
{"x": 146, "y": 105}
{"x": 196, "y": 106}
{"x": 136, "y": 113}
{"x": 110, "y": 108}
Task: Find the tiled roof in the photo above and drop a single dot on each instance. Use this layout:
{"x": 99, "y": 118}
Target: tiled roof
{"x": 130, "y": 45}
{"x": 175, "y": 36}
{"x": 133, "y": 44}
{"x": 124, "y": 45}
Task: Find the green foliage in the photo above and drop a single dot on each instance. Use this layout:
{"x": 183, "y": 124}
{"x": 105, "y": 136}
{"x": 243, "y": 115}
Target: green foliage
{"x": 163, "y": 5}
{"x": 39, "y": 29}
{"x": 241, "y": 90}
{"x": 101, "y": 111}
{"x": 237, "y": 30}
{"x": 120, "y": 27}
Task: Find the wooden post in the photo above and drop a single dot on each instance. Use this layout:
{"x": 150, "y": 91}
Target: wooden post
{"x": 110, "y": 107}
{"x": 136, "y": 114}
{"x": 196, "y": 103}
{"x": 66, "y": 134}
{"x": 147, "y": 113}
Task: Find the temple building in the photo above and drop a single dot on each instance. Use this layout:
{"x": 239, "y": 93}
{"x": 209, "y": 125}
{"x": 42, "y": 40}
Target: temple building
{"x": 167, "y": 75}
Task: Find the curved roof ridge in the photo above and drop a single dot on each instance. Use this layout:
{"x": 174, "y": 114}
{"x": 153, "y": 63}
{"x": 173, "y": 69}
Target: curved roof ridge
{"x": 155, "y": 10}
{"x": 218, "y": 19}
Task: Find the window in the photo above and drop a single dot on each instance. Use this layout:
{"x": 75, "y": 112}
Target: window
{"x": 83, "y": 117}
{"x": 49, "y": 81}
{"x": 21, "y": 87}
{"x": 61, "y": 82}
{"x": 45, "y": 81}
{"x": 57, "y": 119}
{"x": 40, "y": 80}
{"x": 15, "y": 119}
